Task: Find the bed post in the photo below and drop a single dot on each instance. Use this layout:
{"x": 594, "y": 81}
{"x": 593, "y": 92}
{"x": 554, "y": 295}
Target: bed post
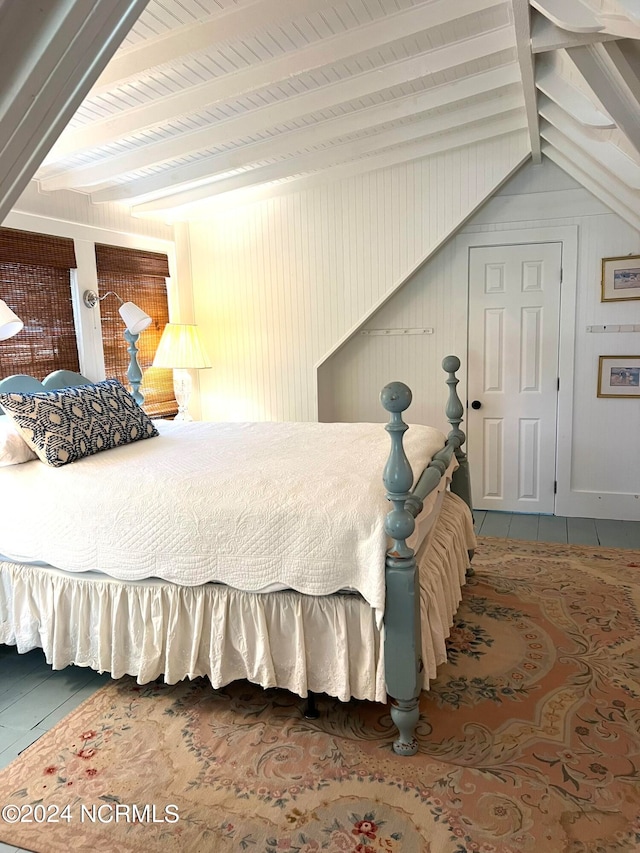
{"x": 461, "y": 482}
{"x": 402, "y": 638}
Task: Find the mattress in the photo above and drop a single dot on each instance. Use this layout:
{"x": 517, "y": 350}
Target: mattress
{"x": 299, "y": 506}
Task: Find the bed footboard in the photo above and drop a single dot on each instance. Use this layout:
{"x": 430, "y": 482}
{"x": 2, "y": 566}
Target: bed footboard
{"x": 402, "y": 639}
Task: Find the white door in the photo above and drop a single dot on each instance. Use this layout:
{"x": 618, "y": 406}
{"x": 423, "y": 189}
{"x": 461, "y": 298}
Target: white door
{"x": 514, "y": 310}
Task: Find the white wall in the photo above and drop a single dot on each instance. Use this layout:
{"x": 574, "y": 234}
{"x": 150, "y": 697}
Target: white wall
{"x": 353, "y": 377}
{"x": 598, "y": 475}
{"x": 280, "y": 283}
{"x": 603, "y": 475}
{"x": 77, "y": 208}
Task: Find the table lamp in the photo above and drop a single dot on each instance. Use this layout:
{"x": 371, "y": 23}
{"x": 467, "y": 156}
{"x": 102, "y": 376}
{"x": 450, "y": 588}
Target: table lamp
{"x": 181, "y": 349}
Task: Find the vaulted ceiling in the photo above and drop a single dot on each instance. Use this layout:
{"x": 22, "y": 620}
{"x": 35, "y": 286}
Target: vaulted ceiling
{"x": 219, "y": 99}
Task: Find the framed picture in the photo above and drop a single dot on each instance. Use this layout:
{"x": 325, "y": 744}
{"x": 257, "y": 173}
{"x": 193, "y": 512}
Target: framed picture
{"x": 619, "y": 376}
{"x": 620, "y": 278}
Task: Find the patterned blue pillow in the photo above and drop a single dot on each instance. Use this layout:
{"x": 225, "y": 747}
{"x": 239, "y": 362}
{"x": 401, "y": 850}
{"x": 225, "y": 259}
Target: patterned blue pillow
{"x": 70, "y": 423}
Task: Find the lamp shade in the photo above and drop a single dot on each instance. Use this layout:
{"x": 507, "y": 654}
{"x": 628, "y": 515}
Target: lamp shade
{"x": 10, "y": 323}
{"x": 134, "y": 318}
{"x": 180, "y": 347}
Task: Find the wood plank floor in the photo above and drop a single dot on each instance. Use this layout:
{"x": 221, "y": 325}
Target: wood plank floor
{"x": 553, "y": 528}
{"x": 33, "y": 698}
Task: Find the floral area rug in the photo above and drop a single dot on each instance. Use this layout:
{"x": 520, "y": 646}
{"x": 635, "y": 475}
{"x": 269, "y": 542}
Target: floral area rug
{"x": 529, "y": 741}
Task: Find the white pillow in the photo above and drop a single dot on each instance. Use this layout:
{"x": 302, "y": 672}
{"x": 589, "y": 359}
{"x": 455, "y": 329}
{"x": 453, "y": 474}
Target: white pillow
{"x": 13, "y": 448}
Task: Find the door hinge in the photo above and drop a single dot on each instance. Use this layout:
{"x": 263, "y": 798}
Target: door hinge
{"x": 561, "y": 275}
{"x": 558, "y": 384}
{"x": 555, "y": 487}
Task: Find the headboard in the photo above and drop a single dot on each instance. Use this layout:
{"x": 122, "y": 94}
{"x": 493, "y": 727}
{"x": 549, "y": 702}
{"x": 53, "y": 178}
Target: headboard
{"x": 27, "y": 384}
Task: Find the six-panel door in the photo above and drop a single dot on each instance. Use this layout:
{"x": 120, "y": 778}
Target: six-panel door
{"x": 514, "y": 309}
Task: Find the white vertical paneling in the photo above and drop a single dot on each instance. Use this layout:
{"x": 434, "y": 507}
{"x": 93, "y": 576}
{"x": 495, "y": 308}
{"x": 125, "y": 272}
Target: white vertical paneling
{"x": 279, "y": 283}
{"x": 529, "y": 462}
{"x": 598, "y": 466}
{"x": 77, "y": 207}
{"x": 360, "y": 369}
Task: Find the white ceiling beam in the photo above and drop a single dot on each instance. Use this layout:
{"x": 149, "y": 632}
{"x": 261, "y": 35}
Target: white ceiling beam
{"x": 631, "y": 8}
{"x": 545, "y": 36}
{"x": 296, "y": 140}
{"x": 620, "y": 26}
{"x": 395, "y": 156}
{"x": 526, "y": 61}
{"x": 627, "y": 64}
{"x": 195, "y": 99}
{"x": 236, "y": 22}
{"x": 599, "y": 70}
{"x": 348, "y": 151}
{"x": 598, "y": 181}
{"x": 605, "y": 153}
{"x": 630, "y": 49}
{"x": 51, "y": 56}
{"x": 289, "y": 109}
{"x": 574, "y": 101}
{"x": 572, "y": 15}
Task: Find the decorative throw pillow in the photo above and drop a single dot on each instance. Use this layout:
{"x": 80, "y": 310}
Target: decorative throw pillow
{"x": 13, "y": 448}
{"x": 70, "y": 423}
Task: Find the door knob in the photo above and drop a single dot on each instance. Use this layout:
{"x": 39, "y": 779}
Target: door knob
{"x": 476, "y": 404}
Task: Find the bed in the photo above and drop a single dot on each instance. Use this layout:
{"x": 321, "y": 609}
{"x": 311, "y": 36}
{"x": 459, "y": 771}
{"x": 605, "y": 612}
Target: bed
{"x": 258, "y": 551}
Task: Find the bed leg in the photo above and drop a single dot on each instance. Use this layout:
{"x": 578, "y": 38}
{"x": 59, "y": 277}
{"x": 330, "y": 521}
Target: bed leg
{"x": 470, "y": 571}
{"x": 405, "y": 715}
{"x": 310, "y": 710}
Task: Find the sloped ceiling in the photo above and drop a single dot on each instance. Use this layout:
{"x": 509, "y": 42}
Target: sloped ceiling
{"x": 208, "y": 101}
{"x": 50, "y": 55}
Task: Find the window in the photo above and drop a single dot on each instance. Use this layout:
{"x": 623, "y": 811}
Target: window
{"x": 139, "y": 277}
{"x": 35, "y": 283}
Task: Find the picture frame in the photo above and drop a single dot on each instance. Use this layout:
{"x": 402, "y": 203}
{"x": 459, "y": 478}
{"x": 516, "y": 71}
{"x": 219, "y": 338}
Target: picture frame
{"x": 620, "y": 278}
{"x": 619, "y": 376}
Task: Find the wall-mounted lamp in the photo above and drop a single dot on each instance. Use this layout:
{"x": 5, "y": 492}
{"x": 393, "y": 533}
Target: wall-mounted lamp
{"x": 136, "y": 321}
{"x": 10, "y": 323}
{"x": 180, "y": 348}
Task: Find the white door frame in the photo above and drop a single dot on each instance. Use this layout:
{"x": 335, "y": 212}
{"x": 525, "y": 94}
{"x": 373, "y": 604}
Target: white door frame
{"x": 568, "y": 236}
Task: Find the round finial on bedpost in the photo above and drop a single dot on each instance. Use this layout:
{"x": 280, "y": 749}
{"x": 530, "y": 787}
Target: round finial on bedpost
{"x": 397, "y": 476}
{"x": 396, "y": 397}
{"x": 451, "y": 363}
{"x": 454, "y": 409}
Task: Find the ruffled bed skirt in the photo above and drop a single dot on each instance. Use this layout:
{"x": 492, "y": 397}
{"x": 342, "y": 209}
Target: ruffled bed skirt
{"x": 283, "y": 639}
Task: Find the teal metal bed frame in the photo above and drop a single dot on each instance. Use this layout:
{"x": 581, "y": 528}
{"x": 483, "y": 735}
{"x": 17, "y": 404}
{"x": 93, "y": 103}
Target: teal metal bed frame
{"x": 402, "y": 626}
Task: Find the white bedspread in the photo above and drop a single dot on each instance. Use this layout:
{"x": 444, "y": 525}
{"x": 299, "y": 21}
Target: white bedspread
{"x": 248, "y": 505}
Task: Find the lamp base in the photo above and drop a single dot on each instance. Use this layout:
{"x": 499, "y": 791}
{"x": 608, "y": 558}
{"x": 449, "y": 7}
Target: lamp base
{"x": 182, "y": 388}
{"x": 134, "y": 373}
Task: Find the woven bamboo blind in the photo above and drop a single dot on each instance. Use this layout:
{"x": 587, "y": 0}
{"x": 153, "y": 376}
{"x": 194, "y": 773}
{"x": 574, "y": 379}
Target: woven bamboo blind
{"x": 139, "y": 277}
{"x": 35, "y": 283}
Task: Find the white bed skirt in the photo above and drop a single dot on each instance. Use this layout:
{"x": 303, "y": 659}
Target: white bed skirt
{"x": 283, "y": 639}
